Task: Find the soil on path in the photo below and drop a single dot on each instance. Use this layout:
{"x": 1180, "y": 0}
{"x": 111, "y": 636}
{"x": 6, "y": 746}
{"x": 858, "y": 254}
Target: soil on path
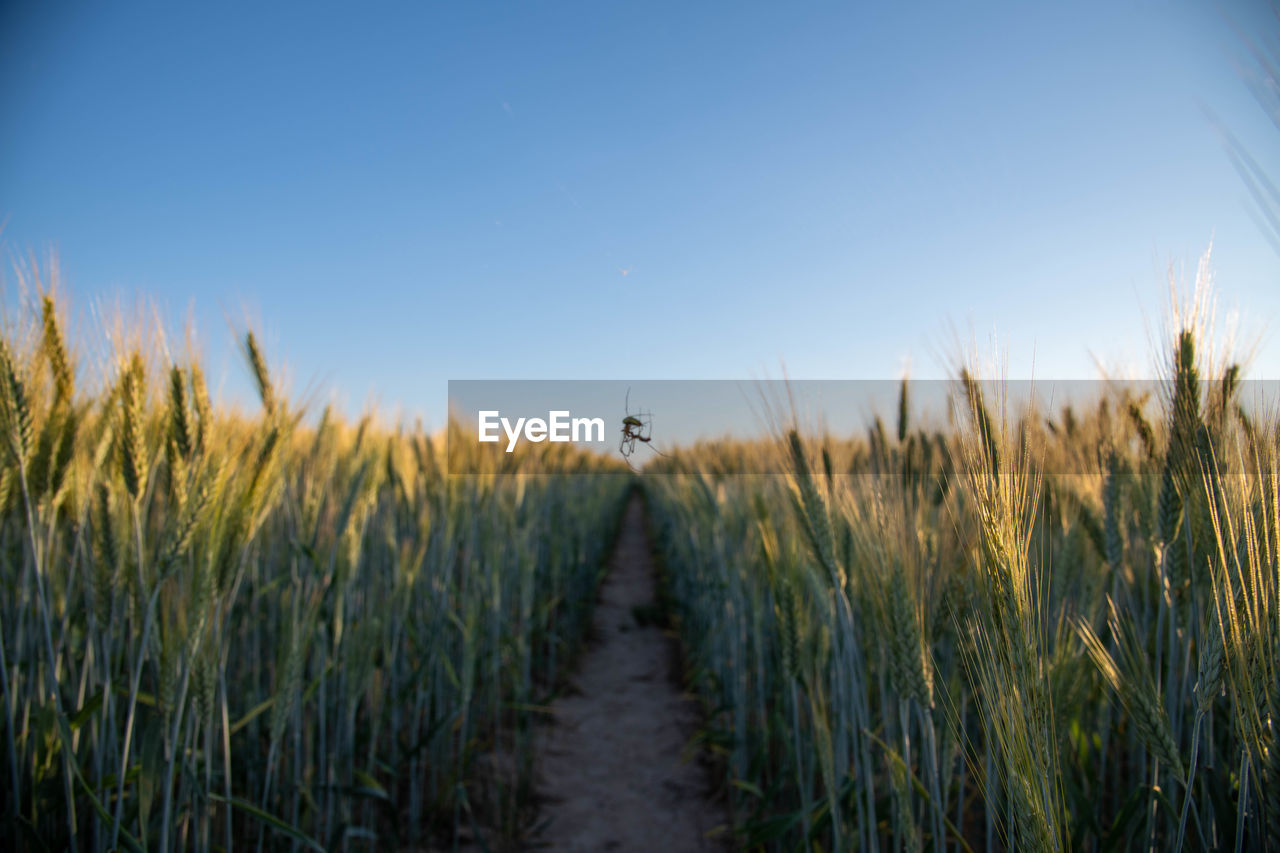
{"x": 612, "y": 768}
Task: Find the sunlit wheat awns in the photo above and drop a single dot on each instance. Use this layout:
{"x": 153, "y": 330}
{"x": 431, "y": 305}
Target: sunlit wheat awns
{"x": 1030, "y": 631}
{"x": 1034, "y": 631}
{"x": 219, "y": 630}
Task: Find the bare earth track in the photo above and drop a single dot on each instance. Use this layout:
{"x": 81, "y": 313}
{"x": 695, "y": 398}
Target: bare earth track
{"x": 612, "y": 774}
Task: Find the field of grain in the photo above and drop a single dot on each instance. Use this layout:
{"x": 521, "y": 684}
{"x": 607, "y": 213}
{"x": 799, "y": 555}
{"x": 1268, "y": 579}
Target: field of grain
{"x": 224, "y": 632}
{"x": 1034, "y": 630}
{"x": 1038, "y": 631}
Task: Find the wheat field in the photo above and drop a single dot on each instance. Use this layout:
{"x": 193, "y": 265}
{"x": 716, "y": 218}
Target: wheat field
{"x": 1039, "y": 630}
{"x": 221, "y": 631}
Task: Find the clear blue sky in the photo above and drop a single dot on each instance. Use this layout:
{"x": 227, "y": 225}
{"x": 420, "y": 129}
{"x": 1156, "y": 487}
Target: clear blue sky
{"x": 399, "y": 194}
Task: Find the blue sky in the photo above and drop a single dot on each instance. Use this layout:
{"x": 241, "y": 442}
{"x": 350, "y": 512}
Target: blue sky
{"x": 400, "y": 194}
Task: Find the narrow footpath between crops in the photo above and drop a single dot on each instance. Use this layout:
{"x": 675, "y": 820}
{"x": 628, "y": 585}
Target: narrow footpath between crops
{"x": 612, "y": 772}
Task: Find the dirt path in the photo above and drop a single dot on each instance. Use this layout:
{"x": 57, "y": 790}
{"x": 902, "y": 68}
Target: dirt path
{"x": 611, "y": 770}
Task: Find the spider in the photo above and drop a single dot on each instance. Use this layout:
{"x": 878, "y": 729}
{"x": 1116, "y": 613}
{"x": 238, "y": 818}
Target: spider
{"x": 637, "y": 427}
